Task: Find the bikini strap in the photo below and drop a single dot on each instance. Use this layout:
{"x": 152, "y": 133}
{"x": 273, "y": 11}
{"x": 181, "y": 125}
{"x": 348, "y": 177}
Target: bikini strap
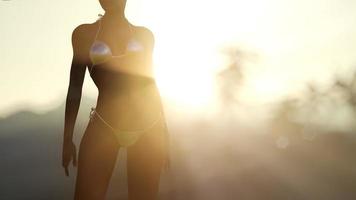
{"x": 97, "y": 32}
{"x": 96, "y": 36}
{"x": 94, "y": 112}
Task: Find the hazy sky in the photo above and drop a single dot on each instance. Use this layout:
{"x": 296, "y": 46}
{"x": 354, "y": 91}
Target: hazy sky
{"x": 296, "y": 40}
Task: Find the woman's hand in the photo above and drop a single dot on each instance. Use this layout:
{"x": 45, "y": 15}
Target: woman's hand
{"x": 69, "y": 153}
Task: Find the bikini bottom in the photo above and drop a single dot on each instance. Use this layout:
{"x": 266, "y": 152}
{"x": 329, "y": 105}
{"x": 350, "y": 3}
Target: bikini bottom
{"x": 124, "y": 137}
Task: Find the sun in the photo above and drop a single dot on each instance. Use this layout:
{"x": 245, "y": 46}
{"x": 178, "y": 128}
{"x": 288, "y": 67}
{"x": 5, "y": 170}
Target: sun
{"x": 185, "y": 76}
{"x": 188, "y": 40}
{"x": 187, "y": 88}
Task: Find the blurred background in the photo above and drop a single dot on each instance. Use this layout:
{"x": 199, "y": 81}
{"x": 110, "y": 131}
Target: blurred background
{"x": 260, "y": 97}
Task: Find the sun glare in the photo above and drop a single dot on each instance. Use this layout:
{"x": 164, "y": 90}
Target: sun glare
{"x": 187, "y": 81}
{"x": 188, "y": 41}
{"x": 185, "y": 71}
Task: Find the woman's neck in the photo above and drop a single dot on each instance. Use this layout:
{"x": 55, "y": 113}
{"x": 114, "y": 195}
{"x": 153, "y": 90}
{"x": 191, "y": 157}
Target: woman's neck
{"x": 115, "y": 17}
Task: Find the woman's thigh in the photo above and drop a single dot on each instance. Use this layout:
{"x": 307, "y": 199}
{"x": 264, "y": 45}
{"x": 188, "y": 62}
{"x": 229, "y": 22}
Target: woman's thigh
{"x": 144, "y": 164}
{"x": 96, "y": 160}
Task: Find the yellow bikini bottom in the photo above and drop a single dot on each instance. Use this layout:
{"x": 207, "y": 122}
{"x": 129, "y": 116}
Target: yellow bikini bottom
{"x": 125, "y": 138}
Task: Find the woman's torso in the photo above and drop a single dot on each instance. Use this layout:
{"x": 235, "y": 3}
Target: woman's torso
{"x": 125, "y": 101}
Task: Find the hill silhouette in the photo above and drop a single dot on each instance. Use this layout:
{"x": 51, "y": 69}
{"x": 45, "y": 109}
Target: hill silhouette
{"x": 209, "y": 162}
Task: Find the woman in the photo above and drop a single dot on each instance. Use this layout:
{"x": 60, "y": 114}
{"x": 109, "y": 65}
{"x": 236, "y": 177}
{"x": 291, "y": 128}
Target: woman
{"x": 128, "y": 112}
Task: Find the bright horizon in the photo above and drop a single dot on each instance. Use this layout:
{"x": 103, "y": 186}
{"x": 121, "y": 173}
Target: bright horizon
{"x": 296, "y": 42}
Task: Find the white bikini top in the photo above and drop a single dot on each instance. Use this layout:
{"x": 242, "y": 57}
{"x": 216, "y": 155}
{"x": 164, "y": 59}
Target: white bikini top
{"x": 100, "y": 52}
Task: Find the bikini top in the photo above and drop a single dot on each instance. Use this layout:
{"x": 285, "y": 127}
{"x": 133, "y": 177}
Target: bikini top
{"x": 100, "y": 52}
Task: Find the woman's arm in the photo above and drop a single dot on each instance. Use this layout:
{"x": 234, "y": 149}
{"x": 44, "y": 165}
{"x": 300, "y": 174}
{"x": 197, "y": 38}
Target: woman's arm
{"x": 74, "y": 94}
{"x": 137, "y": 62}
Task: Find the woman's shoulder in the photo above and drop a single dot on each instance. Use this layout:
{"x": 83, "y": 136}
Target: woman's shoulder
{"x": 82, "y": 35}
{"x": 144, "y": 33}
{"x": 87, "y": 27}
{"x": 144, "y": 30}
{"x": 84, "y": 28}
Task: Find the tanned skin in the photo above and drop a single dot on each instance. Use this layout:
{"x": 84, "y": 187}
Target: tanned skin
{"x": 99, "y": 147}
